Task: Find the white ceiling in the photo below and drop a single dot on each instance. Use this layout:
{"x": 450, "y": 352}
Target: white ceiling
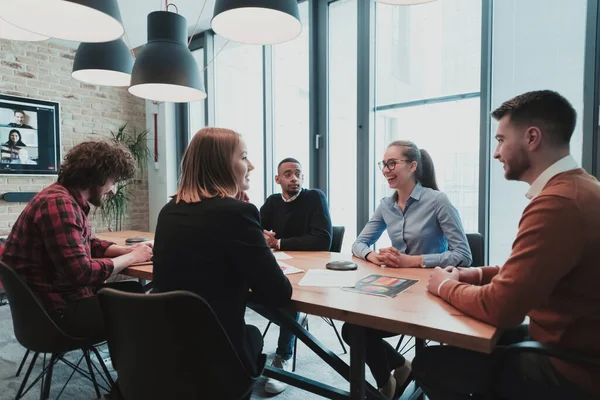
{"x": 135, "y": 12}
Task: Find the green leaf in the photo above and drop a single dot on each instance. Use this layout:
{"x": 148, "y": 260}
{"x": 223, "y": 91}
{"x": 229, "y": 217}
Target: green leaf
{"x": 115, "y": 207}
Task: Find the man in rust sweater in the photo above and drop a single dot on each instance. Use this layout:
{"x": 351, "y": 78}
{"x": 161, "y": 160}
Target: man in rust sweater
{"x": 552, "y": 274}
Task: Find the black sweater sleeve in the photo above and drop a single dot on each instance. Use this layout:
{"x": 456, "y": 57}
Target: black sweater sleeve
{"x": 319, "y": 238}
{"x": 266, "y": 215}
{"x": 250, "y": 251}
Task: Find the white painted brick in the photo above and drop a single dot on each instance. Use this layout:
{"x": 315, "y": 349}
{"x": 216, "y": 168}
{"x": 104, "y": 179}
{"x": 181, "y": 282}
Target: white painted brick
{"x": 88, "y": 112}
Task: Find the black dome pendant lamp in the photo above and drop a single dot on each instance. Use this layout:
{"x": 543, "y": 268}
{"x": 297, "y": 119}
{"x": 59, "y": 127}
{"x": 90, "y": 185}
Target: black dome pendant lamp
{"x": 165, "y": 70}
{"x": 257, "y": 21}
{"x": 104, "y": 64}
{"x": 90, "y": 21}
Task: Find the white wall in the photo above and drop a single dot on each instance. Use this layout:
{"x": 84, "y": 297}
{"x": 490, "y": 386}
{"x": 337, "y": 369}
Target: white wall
{"x": 162, "y": 175}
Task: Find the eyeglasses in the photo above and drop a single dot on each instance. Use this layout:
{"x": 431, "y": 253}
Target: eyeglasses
{"x": 390, "y": 164}
{"x": 288, "y": 174}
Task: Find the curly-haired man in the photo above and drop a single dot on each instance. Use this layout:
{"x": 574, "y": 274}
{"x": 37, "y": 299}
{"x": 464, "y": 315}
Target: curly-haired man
{"x": 51, "y": 246}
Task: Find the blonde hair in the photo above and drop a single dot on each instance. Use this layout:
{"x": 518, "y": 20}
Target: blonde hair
{"x": 207, "y": 166}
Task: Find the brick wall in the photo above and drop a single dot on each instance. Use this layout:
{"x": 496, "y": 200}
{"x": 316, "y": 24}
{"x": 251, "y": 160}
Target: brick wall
{"x": 43, "y": 71}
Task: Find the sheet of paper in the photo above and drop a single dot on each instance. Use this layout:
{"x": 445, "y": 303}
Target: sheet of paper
{"x": 289, "y": 269}
{"x": 280, "y": 255}
{"x": 328, "y": 278}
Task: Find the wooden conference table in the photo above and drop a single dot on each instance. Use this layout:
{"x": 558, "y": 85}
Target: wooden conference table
{"x": 413, "y": 312}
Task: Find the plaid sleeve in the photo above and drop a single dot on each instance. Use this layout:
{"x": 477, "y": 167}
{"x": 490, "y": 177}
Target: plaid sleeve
{"x": 64, "y": 239}
{"x": 99, "y": 247}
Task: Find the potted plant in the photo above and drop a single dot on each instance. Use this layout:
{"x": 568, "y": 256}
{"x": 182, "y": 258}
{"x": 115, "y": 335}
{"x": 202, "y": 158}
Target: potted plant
{"x": 114, "y": 208}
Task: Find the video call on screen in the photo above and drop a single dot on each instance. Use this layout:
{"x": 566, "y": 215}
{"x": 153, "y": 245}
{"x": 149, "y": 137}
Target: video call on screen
{"x": 28, "y": 139}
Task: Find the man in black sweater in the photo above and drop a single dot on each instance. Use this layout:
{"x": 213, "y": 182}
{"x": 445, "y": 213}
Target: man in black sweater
{"x": 296, "y": 219}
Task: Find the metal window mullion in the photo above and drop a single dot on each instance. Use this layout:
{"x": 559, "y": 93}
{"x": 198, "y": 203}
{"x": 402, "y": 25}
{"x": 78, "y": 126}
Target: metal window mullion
{"x": 485, "y": 125}
{"x": 365, "y": 110}
{"x": 318, "y": 95}
{"x": 268, "y": 119}
{"x": 209, "y": 79}
{"x": 591, "y": 91}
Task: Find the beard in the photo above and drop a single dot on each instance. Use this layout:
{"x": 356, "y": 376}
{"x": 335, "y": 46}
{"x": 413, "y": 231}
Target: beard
{"x": 293, "y": 192}
{"x": 96, "y": 198}
{"x": 517, "y": 166}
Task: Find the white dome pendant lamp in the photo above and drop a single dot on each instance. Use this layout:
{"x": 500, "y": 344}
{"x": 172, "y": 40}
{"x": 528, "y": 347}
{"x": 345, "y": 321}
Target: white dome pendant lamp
{"x": 257, "y": 21}
{"x": 165, "y": 70}
{"x": 12, "y": 32}
{"x": 89, "y": 21}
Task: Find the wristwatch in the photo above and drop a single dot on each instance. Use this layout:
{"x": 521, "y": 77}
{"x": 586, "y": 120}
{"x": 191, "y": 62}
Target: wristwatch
{"x": 423, "y": 262}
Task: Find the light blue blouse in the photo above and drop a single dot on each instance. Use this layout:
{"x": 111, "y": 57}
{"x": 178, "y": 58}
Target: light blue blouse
{"x": 429, "y": 226}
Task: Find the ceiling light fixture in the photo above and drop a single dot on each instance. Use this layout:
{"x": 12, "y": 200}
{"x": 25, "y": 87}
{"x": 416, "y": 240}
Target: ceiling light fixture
{"x": 257, "y": 21}
{"x": 165, "y": 70}
{"x": 78, "y": 20}
{"x": 105, "y": 64}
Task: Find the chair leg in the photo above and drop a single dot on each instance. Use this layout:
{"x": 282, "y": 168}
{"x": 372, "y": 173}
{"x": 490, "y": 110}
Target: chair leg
{"x": 266, "y": 330}
{"x": 48, "y": 380}
{"x": 26, "y": 378}
{"x": 294, "y": 355}
{"x": 338, "y": 336}
{"x": 106, "y": 372}
{"x": 22, "y": 363}
{"x": 86, "y": 353}
{"x": 399, "y": 342}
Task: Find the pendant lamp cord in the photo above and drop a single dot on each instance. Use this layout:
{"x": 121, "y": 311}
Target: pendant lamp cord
{"x": 196, "y": 25}
{"x": 176, "y": 8}
{"x": 213, "y": 59}
{"x": 126, "y": 37}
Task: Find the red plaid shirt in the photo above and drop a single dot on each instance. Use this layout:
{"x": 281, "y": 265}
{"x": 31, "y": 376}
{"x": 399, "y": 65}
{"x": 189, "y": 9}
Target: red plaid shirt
{"x": 52, "y": 249}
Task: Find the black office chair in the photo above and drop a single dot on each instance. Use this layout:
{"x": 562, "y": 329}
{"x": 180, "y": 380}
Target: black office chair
{"x": 337, "y": 240}
{"x": 477, "y": 248}
{"x": 531, "y": 346}
{"x": 171, "y": 346}
{"x": 37, "y": 332}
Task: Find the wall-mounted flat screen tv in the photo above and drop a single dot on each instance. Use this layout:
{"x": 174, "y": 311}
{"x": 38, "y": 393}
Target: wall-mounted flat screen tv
{"x": 29, "y": 136}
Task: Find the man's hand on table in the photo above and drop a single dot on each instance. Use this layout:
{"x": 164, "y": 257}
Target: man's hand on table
{"x": 438, "y": 276}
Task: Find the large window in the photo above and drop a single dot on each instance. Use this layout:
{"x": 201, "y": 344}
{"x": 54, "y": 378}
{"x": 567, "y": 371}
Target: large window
{"x": 239, "y": 103}
{"x": 427, "y": 91}
{"x": 290, "y": 99}
{"x": 545, "y": 52}
{"x": 342, "y": 117}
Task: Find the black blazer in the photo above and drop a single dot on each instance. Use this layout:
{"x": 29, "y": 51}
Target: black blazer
{"x": 216, "y": 249}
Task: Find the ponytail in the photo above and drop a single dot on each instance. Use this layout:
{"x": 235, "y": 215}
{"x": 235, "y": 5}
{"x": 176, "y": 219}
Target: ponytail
{"x": 425, "y": 172}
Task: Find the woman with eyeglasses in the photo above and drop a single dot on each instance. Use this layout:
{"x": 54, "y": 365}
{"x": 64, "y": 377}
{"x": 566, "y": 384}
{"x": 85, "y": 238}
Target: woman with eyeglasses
{"x": 425, "y": 230}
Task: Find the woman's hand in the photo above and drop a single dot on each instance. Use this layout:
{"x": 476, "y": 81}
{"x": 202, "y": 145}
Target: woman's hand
{"x": 392, "y": 258}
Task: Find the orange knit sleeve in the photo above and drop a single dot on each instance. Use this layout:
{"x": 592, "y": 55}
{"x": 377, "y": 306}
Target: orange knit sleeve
{"x": 547, "y": 247}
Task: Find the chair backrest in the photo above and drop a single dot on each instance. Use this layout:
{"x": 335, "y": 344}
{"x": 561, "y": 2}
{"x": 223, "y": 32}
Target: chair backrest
{"x": 171, "y": 346}
{"x": 477, "y": 249}
{"x": 337, "y": 239}
{"x": 33, "y": 327}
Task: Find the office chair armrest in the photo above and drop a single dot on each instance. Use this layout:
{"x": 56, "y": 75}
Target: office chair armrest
{"x": 551, "y": 351}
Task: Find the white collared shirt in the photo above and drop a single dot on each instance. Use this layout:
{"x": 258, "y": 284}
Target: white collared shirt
{"x": 565, "y": 164}
{"x": 291, "y": 198}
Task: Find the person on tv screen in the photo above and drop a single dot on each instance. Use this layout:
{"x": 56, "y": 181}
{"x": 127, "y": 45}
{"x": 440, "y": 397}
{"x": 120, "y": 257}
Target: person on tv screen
{"x": 13, "y": 145}
{"x": 14, "y": 139}
{"x": 19, "y": 120}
